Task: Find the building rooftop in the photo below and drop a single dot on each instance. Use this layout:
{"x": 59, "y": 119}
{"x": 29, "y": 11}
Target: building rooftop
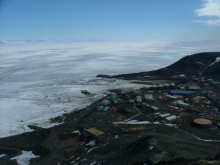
{"x": 182, "y": 92}
{"x": 203, "y": 121}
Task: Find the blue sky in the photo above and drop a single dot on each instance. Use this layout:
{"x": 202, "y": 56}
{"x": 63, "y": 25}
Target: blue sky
{"x": 111, "y": 20}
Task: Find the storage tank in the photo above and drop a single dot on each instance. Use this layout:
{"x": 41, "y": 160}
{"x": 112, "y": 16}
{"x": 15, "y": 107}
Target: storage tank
{"x": 202, "y": 123}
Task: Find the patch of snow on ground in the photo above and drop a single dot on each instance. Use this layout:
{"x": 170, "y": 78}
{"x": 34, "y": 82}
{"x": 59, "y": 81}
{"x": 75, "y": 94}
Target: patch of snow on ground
{"x": 200, "y": 63}
{"x": 2, "y": 155}
{"x": 116, "y": 136}
{"x": 24, "y": 158}
{"x": 77, "y": 131}
{"x": 91, "y": 149}
{"x": 216, "y": 60}
{"x": 151, "y": 147}
{"x": 91, "y": 143}
{"x": 84, "y": 159}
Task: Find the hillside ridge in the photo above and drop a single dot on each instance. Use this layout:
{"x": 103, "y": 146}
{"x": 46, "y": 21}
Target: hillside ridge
{"x": 201, "y": 64}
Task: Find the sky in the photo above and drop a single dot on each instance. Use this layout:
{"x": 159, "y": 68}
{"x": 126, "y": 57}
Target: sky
{"x": 110, "y": 20}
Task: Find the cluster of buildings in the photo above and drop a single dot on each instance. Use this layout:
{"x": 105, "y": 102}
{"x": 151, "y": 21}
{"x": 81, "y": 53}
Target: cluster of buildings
{"x": 166, "y": 103}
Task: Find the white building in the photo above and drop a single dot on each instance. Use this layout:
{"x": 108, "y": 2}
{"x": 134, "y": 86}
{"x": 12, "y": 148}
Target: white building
{"x": 170, "y": 97}
{"x": 154, "y": 108}
{"x": 169, "y": 118}
{"x": 180, "y": 103}
{"x": 164, "y": 115}
{"x": 139, "y": 99}
{"x": 193, "y": 87}
{"x": 149, "y": 97}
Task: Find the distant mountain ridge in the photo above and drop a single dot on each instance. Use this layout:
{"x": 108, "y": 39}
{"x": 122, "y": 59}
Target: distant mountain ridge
{"x": 204, "y": 64}
{"x": 52, "y": 40}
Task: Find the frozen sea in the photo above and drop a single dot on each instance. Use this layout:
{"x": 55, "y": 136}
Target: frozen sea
{"x": 34, "y": 75}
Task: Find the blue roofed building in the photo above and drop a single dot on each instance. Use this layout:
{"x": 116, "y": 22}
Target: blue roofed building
{"x": 181, "y": 92}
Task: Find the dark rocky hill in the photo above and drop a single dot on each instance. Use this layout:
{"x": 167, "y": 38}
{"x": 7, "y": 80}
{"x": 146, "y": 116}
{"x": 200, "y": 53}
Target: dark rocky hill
{"x": 213, "y": 70}
{"x": 205, "y": 64}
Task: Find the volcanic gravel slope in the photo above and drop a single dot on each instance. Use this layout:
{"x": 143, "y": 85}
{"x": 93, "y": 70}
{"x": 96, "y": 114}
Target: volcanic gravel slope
{"x": 157, "y": 144}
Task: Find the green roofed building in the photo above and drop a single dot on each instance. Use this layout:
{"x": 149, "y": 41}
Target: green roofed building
{"x": 216, "y": 83}
{"x": 117, "y": 100}
{"x": 100, "y": 107}
{"x": 114, "y": 96}
{"x": 206, "y": 93}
